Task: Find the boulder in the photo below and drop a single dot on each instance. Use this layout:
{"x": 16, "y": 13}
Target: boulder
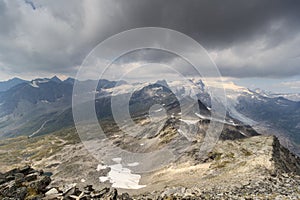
{"x": 40, "y": 185}
{"x": 51, "y": 192}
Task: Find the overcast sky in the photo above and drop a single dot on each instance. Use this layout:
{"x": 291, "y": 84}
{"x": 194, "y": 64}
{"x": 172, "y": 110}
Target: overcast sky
{"x": 248, "y": 40}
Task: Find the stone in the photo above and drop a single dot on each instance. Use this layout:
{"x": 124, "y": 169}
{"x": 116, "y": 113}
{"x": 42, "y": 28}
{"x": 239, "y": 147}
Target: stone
{"x": 100, "y": 193}
{"x": 113, "y": 194}
{"x": 51, "y": 192}
{"x": 41, "y": 184}
{"x": 19, "y": 175}
{"x": 8, "y": 190}
{"x": 21, "y": 193}
{"x": 77, "y": 192}
{"x": 124, "y": 196}
{"x": 19, "y": 179}
{"x": 11, "y": 172}
{"x": 89, "y": 188}
{"x": 9, "y": 178}
{"x": 31, "y": 177}
{"x": 68, "y": 190}
{"x": 2, "y": 180}
{"x": 26, "y": 170}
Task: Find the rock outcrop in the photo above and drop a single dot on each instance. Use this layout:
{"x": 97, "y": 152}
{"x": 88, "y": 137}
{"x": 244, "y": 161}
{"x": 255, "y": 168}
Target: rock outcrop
{"x": 284, "y": 160}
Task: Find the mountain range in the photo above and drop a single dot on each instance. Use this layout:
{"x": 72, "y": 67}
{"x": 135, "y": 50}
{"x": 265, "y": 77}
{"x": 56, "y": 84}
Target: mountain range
{"x": 6, "y": 85}
{"x": 43, "y": 105}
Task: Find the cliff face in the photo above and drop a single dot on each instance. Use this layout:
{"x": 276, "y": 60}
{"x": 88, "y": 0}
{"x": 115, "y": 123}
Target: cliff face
{"x": 284, "y": 160}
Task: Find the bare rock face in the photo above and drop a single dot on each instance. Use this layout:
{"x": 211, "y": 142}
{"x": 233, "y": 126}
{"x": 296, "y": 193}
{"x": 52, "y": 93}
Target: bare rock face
{"x": 285, "y": 161}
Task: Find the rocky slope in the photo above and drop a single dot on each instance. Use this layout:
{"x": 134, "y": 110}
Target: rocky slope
{"x": 27, "y": 183}
{"x": 250, "y": 168}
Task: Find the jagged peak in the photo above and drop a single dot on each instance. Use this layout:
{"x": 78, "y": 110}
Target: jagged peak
{"x": 55, "y": 79}
{"x": 162, "y": 83}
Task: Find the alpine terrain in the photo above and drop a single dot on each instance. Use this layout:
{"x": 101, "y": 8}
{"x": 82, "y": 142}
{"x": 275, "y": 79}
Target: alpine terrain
{"x": 43, "y": 156}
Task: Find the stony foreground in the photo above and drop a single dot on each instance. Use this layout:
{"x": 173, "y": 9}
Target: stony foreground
{"x": 254, "y": 168}
{"x": 27, "y": 183}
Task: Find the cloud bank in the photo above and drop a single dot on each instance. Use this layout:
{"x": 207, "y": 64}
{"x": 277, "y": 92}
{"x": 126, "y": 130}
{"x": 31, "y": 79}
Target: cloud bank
{"x": 258, "y": 38}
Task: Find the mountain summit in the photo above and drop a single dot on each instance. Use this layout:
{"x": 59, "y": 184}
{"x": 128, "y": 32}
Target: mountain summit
{"x": 55, "y": 79}
{"x": 6, "y": 85}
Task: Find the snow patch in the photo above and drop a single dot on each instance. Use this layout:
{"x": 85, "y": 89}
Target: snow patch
{"x": 159, "y": 110}
{"x": 117, "y": 160}
{"x": 103, "y": 179}
{"x": 216, "y": 120}
{"x": 34, "y": 84}
{"x": 243, "y": 134}
{"x": 121, "y": 177}
{"x": 134, "y": 164}
{"x": 101, "y": 167}
{"x": 45, "y": 101}
{"x": 201, "y": 116}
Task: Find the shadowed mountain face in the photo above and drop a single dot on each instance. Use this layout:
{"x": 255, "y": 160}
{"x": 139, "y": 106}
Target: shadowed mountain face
{"x": 35, "y": 92}
{"x": 275, "y": 115}
{"x": 279, "y": 112}
{"x": 30, "y": 106}
{"x": 6, "y": 85}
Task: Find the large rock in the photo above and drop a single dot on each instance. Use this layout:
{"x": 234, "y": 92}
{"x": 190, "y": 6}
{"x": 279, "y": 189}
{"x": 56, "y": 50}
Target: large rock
{"x": 39, "y": 186}
{"x": 284, "y": 160}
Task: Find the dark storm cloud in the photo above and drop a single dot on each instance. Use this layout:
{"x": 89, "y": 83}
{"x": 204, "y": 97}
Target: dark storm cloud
{"x": 245, "y": 38}
{"x": 217, "y": 24}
